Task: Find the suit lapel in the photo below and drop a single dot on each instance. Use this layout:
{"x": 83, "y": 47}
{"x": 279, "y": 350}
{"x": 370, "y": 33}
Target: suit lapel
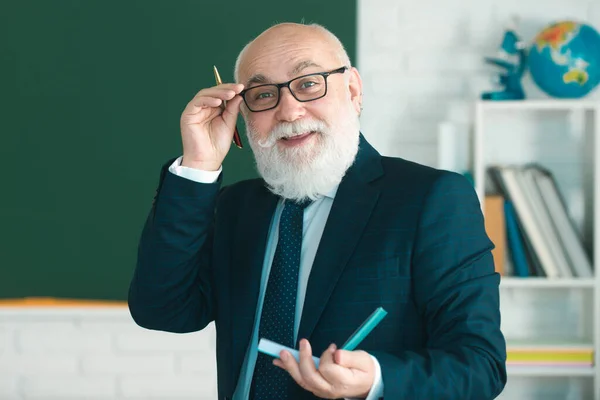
{"x": 349, "y": 215}
{"x": 249, "y": 247}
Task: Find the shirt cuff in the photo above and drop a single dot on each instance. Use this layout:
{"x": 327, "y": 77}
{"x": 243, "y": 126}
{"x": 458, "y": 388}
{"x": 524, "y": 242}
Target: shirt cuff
{"x": 196, "y": 175}
{"x": 377, "y": 389}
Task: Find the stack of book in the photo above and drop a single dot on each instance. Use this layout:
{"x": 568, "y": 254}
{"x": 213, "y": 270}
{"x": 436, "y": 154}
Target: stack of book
{"x": 550, "y": 354}
{"x": 529, "y": 217}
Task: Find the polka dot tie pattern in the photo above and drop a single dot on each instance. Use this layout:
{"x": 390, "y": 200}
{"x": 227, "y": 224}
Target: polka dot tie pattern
{"x": 279, "y": 305}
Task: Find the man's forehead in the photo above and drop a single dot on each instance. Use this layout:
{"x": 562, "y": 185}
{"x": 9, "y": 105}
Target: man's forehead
{"x": 284, "y": 51}
{"x": 302, "y": 65}
{"x": 269, "y": 76}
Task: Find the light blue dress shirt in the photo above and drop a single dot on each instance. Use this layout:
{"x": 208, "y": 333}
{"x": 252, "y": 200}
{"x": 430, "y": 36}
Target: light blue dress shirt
{"x": 315, "y": 217}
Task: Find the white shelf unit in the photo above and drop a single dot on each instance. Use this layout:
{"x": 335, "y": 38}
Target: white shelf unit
{"x": 524, "y": 300}
{"x": 510, "y": 282}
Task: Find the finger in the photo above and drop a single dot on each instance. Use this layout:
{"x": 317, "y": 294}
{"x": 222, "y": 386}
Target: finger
{"x": 327, "y": 356}
{"x": 236, "y": 87}
{"x": 204, "y": 98}
{"x": 224, "y": 92}
{"x": 231, "y": 112}
{"x": 337, "y": 376}
{"x": 210, "y": 99}
{"x": 218, "y": 92}
{"x": 194, "y": 107}
{"x": 353, "y": 359}
{"x": 289, "y": 363}
{"x": 308, "y": 369}
{"x": 203, "y": 102}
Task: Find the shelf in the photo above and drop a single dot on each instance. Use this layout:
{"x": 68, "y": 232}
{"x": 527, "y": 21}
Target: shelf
{"x": 545, "y": 283}
{"x": 549, "y": 104}
{"x": 565, "y": 344}
{"x": 517, "y": 370}
{"x": 553, "y": 316}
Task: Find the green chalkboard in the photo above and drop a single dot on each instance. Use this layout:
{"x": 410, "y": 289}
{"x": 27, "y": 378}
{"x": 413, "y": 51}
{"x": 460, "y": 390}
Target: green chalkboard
{"x": 90, "y": 98}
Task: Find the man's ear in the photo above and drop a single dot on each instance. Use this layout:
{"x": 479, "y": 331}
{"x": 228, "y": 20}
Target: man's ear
{"x": 355, "y": 89}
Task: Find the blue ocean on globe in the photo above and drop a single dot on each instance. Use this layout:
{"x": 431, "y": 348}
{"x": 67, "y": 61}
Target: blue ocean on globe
{"x": 564, "y": 60}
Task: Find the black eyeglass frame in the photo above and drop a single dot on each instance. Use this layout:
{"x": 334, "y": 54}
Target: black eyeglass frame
{"x": 279, "y": 86}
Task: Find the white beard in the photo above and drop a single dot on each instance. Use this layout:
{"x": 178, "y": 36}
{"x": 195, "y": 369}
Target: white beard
{"x": 311, "y": 170}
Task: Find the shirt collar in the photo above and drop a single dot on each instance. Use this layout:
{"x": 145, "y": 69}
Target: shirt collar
{"x": 332, "y": 192}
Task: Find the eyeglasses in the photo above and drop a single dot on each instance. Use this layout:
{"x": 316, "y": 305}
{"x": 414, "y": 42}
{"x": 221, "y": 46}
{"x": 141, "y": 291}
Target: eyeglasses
{"x": 304, "y": 88}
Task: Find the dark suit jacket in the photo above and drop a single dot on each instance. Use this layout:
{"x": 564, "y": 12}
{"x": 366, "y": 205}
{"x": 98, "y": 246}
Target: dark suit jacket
{"x": 400, "y": 235}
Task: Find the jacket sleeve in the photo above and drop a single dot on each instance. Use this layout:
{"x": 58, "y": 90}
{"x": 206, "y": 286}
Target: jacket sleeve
{"x": 171, "y": 288}
{"x": 457, "y": 292}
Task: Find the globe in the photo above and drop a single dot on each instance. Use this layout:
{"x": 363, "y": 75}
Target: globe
{"x": 564, "y": 59}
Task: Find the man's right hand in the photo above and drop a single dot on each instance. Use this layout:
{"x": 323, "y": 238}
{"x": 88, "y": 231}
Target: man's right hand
{"x": 206, "y": 131}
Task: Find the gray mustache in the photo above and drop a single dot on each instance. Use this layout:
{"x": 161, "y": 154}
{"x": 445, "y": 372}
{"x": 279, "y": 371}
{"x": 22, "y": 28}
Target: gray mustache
{"x": 290, "y": 129}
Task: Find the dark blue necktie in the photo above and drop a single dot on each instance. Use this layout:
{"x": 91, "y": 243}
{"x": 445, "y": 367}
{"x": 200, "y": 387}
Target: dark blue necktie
{"x": 279, "y": 306}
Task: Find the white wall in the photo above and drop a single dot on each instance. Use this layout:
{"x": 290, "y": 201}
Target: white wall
{"x": 100, "y": 354}
{"x": 421, "y": 63}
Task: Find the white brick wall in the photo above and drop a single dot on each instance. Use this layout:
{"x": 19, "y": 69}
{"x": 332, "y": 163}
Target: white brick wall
{"x": 60, "y": 339}
{"x": 79, "y": 353}
{"x": 63, "y": 387}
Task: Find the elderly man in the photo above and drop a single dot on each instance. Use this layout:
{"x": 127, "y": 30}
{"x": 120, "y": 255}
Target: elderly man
{"x": 332, "y": 231}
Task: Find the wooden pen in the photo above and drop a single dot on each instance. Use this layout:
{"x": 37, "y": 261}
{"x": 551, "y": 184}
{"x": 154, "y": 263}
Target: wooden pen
{"x": 236, "y": 135}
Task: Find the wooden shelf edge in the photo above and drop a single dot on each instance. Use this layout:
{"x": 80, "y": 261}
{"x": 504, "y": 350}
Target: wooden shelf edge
{"x": 52, "y": 302}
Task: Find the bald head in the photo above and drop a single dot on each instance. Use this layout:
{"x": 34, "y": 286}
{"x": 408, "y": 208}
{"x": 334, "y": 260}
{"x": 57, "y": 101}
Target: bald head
{"x": 303, "y": 43}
